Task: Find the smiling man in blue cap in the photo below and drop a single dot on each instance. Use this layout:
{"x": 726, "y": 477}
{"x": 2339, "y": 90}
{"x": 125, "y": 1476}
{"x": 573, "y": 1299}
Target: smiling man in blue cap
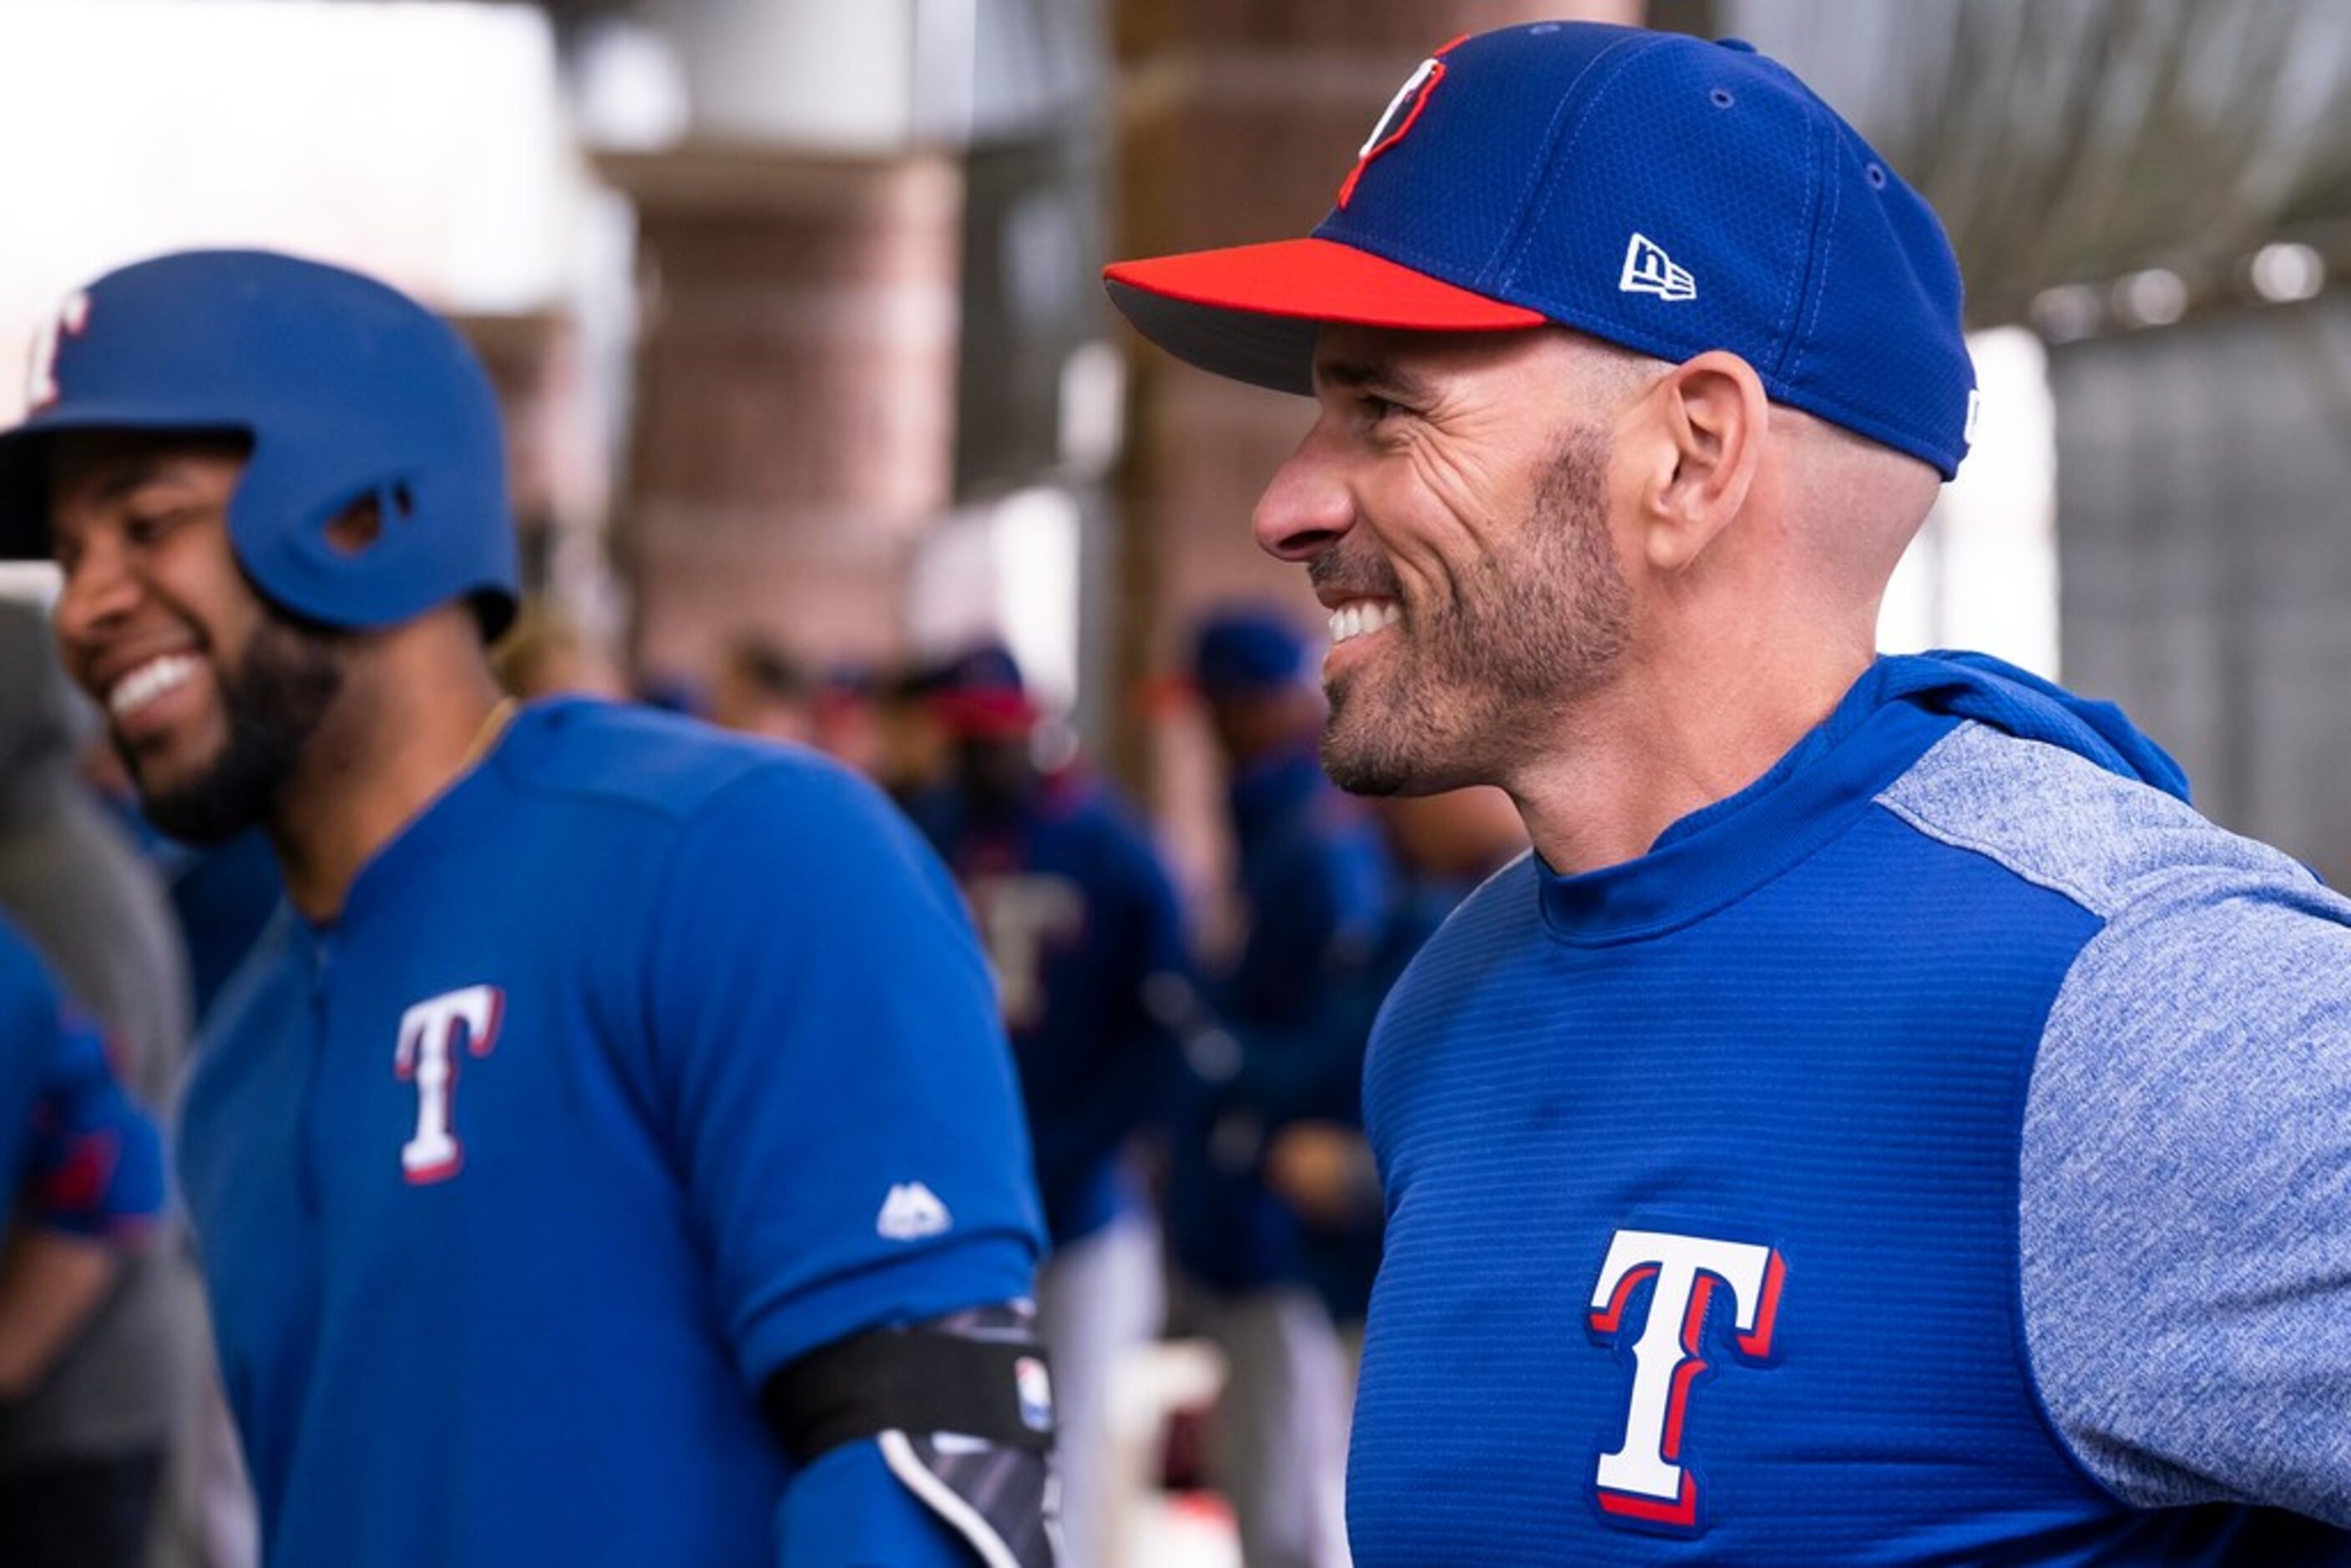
{"x": 1881, "y": 1121}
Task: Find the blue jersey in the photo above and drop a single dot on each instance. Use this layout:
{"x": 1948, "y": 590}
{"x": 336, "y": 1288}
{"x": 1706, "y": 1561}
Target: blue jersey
{"x": 1921, "y": 1157}
{"x": 75, "y": 1156}
{"x": 1313, "y": 881}
{"x": 640, "y": 1063}
{"x": 1080, "y": 926}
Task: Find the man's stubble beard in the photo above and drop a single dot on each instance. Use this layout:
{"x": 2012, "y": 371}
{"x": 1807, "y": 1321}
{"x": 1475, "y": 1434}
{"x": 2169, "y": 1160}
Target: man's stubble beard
{"x": 1464, "y": 690}
{"x": 275, "y": 700}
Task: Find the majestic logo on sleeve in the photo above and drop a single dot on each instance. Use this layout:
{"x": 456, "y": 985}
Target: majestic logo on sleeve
{"x": 41, "y": 382}
{"x": 1397, "y": 119}
{"x": 431, "y": 1033}
{"x": 911, "y": 1211}
{"x": 1646, "y": 1481}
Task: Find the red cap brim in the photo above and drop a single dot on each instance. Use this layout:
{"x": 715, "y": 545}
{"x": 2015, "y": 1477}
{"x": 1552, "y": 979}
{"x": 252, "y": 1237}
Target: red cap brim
{"x": 985, "y": 715}
{"x": 1251, "y": 311}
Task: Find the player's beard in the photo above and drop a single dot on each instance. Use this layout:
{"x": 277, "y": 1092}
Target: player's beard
{"x": 274, "y": 700}
{"x": 1465, "y": 687}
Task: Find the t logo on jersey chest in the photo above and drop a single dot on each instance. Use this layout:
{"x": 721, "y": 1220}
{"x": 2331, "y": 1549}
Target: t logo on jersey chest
{"x": 428, "y": 1056}
{"x": 1021, "y": 919}
{"x": 1646, "y": 1481}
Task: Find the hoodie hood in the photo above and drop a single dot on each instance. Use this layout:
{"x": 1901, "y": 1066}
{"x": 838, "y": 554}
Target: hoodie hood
{"x": 1991, "y": 692}
{"x": 1898, "y": 711}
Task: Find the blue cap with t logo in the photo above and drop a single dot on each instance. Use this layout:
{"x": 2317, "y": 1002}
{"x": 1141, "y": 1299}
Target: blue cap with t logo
{"x": 1665, "y": 194}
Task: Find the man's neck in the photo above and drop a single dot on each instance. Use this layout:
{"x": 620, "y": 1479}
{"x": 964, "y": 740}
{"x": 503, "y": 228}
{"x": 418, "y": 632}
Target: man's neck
{"x": 1662, "y": 742}
{"x": 401, "y": 735}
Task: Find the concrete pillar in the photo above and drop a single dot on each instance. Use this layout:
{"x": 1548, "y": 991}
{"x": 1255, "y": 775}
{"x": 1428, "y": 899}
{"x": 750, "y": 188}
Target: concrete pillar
{"x": 795, "y": 394}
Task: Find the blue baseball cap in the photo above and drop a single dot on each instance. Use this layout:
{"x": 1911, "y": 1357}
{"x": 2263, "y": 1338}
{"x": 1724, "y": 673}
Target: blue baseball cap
{"x": 1664, "y": 193}
{"x": 1246, "y": 652}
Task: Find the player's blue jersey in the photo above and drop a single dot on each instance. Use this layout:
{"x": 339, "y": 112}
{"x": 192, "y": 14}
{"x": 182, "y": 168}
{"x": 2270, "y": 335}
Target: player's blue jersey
{"x": 76, "y": 1157}
{"x": 1081, "y": 925}
{"x": 1704, "y": 1176}
{"x": 30, "y": 1010}
{"x": 640, "y": 1063}
{"x": 1313, "y": 881}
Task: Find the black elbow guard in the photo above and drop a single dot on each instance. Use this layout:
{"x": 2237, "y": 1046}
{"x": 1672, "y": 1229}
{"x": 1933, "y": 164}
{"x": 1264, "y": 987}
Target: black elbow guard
{"x": 962, "y": 1409}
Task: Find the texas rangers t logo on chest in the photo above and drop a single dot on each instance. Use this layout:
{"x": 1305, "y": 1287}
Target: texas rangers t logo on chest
{"x": 1644, "y": 1480}
{"x": 427, "y": 1056}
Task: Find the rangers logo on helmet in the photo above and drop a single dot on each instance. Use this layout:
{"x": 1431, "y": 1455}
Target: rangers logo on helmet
{"x": 41, "y": 382}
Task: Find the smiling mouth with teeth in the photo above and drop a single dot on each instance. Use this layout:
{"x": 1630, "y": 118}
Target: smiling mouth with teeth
{"x": 1361, "y": 617}
{"x": 150, "y": 681}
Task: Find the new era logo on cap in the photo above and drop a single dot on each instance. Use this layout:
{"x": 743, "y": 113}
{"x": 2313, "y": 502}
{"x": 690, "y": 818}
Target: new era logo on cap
{"x": 1649, "y": 270}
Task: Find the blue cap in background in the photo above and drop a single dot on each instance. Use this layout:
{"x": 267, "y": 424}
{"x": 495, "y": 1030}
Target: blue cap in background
{"x": 1246, "y": 652}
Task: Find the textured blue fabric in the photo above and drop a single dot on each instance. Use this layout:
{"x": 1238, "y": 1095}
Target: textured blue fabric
{"x": 1313, "y": 887}
{"x": 740, "y": 1016}
{"x": 2020, "y": 703}
{"x": 2185, "y": 1168}
{"x": 1799, "y": 1024}
{"x": 1080, "y": 922}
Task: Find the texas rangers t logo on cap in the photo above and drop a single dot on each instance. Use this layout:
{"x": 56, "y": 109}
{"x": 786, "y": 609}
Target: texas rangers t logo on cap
{"x": 41, "y": 383}
{"x": 1397, "y": 118}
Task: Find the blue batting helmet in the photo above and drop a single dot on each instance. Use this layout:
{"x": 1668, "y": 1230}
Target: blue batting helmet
{"x": 349, "y": 390}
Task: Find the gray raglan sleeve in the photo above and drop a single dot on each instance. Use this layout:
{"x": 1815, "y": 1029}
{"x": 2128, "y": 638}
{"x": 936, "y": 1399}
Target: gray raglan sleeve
{"x": 2185, "y": 1212}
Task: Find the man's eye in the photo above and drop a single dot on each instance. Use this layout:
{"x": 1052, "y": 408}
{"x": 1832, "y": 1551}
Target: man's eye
{"x": 1377, "y": 408}
{"x": 146, "y": 527}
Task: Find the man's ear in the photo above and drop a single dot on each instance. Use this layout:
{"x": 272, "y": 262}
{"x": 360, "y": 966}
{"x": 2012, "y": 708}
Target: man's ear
{"x": 1707, "y": 420}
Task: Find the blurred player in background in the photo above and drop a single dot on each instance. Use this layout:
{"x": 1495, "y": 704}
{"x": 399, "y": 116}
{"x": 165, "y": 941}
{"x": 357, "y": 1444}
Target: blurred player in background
{"x": 84, "y": 1180}
{"x": 1086, "y": 941}
{"x": 1311, "y": 891}
{"x": 613, "y": 1157}
{"x": 911, "y": 748}
{"x": 760, "y": 689}
{"x": 84, "y": 1446}
{"x": 1320, "y": 1163}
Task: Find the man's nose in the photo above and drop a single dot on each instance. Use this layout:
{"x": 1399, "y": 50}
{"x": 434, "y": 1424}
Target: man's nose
{"x": 99, "y": 588}
{"x": 1305, "y": 508}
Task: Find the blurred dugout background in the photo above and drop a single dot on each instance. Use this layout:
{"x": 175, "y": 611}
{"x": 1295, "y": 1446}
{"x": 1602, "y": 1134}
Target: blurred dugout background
{"x": 794, "y": 305}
